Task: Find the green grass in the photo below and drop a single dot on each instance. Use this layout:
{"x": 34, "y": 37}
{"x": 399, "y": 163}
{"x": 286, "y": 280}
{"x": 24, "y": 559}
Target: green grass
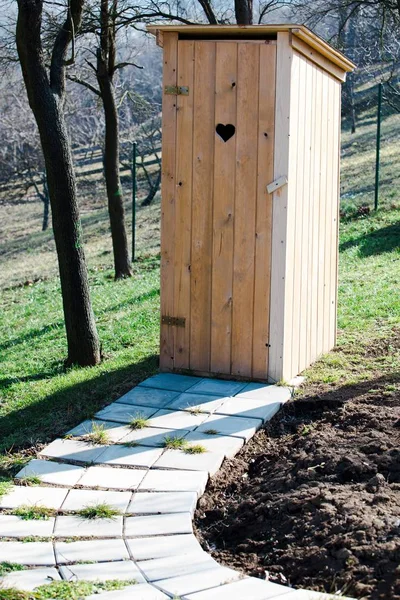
{"x": 39, "y": 399}
{"x": 6, "y": 567}
{"x": 5, "y": 486}
{"x": 65, "y": 590}
{"x": 174, "y": 442}
{"x": 138, "y": 422}
{"x": 99, "y": 435}
{"x": 33, "y": 513}
{"x": 98, "y": 511}
{"x": 195, "y": 449}
{"x": 30, "y": 480}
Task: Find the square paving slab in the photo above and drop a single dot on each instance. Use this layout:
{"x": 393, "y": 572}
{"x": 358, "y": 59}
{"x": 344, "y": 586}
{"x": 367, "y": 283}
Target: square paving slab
{"x": 247, "y": 588}
{"x": 71, "y": 527}
{"x": 113, "y": 478}
{"x": 27, "y": 553}
{"x": 235, "y": 426}
{"x": 122, "y": 570}
{"x": 79, "y": 499}
{"x": 33, "y": 496}
{"x": 217, "y": 386}
{"x": 175, "y": 566}
{"x": 30, "y": 579}
{"x": 171, "y": 381}
{"x": 144, "y": 526}
{"x": 152, "y": 436}
{"x": 198, "y": 581}
{"x": 206, "y": 403}
{"x": 114, "y": 431}
{"x": 163, "y": 502}
{"x": 221, "y": 444}
{"x": 158, "y": 480}
{"x": 52, "y": 472}
{"x": 15, "y": 527}
{"x": 139, "y": 456}
{"x": 260, "y": 391}
{"x": 249, "y": 408}
{"x": 176, "y": 419}
{"x": 144, "y": 396}
{"x": 143, "y": 591}
{"x": 75, "y": 450}
{"x": 124, "y": 413}
{"x": 93, "y": 550}
{"x": 177, "y": 459}
{"x": 160, "y": 546}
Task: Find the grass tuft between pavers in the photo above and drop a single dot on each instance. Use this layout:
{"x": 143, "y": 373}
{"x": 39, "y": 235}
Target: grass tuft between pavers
{"x": 65, "y": 590}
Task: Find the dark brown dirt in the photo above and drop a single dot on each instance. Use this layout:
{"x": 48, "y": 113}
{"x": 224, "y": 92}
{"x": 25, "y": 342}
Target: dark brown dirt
{"x": 313, "y": 500}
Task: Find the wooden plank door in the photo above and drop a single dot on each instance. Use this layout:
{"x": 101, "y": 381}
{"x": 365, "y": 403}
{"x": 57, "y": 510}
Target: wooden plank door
{"x": 220, "y": 238}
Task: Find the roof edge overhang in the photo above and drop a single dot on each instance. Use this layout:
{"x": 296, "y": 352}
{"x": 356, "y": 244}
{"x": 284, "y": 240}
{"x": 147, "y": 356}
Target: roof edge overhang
{"x": 241, "y": 31}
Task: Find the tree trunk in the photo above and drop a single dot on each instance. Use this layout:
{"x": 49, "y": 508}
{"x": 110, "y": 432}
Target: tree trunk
{"x": 244, "y": 12}
{"x": 46, "y": 205}
{"x": 116, "y": 211}
{"x": 153, "y": 190}
{"x": 46, "y": 101}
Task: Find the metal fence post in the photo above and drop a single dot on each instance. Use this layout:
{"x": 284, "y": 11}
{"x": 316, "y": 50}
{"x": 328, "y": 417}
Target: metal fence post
{"x": 378, "y": 145}
{"x": 133, "y": 169}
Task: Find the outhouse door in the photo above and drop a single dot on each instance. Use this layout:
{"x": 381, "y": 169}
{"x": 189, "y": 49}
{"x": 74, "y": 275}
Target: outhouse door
{"x": 217, "y": 213}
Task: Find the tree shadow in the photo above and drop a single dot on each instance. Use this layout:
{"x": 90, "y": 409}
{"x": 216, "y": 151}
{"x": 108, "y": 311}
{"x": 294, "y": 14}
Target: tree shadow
{"x": 53, "y": 415}
{"x": 376, "y": 242}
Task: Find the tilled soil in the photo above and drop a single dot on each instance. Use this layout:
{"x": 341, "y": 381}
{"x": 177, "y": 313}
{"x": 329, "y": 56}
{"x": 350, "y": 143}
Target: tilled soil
{"x": 313, "y": 501}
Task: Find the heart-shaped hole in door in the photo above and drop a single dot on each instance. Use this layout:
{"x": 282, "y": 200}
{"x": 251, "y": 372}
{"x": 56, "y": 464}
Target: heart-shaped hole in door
{"x": 225, "y": 132}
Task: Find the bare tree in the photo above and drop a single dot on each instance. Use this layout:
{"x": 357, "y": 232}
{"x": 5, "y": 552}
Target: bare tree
{"x": 46, "y": 94}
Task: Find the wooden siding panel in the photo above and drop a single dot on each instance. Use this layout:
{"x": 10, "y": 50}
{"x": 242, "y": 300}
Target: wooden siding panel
{"x": 245, "y": 209}
{"x": 184, "y": 146}
{"x": 263, "y": 237}
{"x": 202, "y": 206}
{"x": 282, "y": 218}
{"x": 317, "y": 112}
{"x": 305, "y": 234}
{"x": 224, "y": 193}
{"x": 335, "y": 209}
{"x": 295, "y": 269}
{"x": 168, "y": 200}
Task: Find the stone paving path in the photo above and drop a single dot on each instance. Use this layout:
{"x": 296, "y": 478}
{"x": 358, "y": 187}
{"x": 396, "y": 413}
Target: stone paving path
{"x": 152, "y": 489}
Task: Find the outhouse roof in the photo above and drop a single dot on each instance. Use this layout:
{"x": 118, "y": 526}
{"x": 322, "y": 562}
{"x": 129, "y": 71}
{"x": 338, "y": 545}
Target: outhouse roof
{"x": 253, "y": 31}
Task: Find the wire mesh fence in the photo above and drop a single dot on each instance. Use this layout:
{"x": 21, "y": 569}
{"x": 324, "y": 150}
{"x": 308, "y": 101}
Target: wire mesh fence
{"x": 370, "y": 175}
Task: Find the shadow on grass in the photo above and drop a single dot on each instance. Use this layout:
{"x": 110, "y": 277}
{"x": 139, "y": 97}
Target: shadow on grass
{"x": 53, "y": 415}
{"x": 382, "y": 240}
{"x": 36, "y": 333}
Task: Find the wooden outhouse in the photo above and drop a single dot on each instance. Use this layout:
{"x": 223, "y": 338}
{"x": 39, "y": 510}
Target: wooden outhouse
{"x": 250, "y": 192}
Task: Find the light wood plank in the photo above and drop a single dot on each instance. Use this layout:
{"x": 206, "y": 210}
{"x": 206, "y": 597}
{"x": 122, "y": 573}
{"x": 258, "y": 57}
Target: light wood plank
{"x": 184, "y": 147}
{"x": 224, "y": 193}
{"x": 335, "y": 211}
{"x": 338, "y": 135}
{"x": 322, "y": 215}
{"x": 328, "y": 217}
{"x": 282, "y": 216}
{"x": 202, "y": 206}
{"x": 245, "y": 209}
{"x": 168, "y": 200}
{"x": 318, "y": 59}
{"x": 305, "y": 234}
{"x": 262, "y": 272}
{"x": 297, "y": 231}
{"x": 317, "y": 112}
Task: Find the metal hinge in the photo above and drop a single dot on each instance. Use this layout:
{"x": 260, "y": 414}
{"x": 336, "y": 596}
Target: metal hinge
{"x": 177, "y": 90}
{"x": 177, "y": 321}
